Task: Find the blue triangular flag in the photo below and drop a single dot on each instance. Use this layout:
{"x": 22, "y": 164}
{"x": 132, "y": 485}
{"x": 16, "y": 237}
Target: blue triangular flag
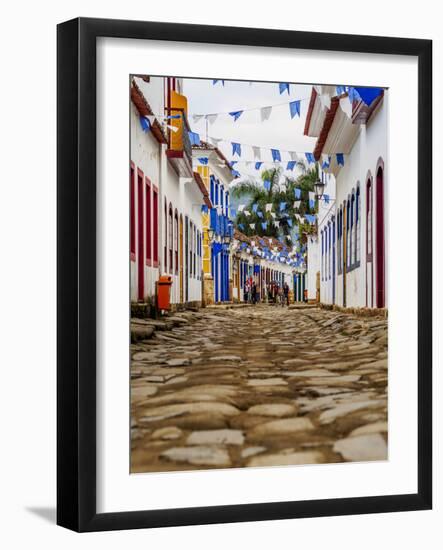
{"x": 291, "y": 165}
{"x": 340, "y": 159}
{"x": 257, "y": 165}
{"x": 236, "y": 148}
{"x": 297, "y": 193}
{"x": 236, "y": 174}
{"x": 264, "y": 225}
{"x": 340, "y": 89}
{"x": 145, "y": 124}
{"x": 194, "y": 138}
{"x": 241, "y": 226}
{"x": 267, "y": 185}
{"x": 275, "y": 155}
{"x": 283, "y": 86}
{"x": 236, "y": 114}
{"x": 294, "y": 108}
{"x": 254, "y": 207}
{"x": 214, "y": 82}
{"x": 205, "y": 208}
{"x": 326, "y": 198}
{"x": 203, "y": 160}
{"x": 282, "y": 206}
{"x": 368, "y": 94}
{"x": 233, "y": 163}
{"x": 289, "y": 222}
{"x": 260, "y": 214}
{"x": 310, "y": 158}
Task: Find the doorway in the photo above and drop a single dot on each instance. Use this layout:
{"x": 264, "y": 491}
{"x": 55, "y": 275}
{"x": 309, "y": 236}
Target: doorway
{"x": 380, "y": 242}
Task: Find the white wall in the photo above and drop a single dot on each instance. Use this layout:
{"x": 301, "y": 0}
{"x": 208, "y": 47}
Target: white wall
{"x": 326, "y": 214}
{"x": 313, "y": 266}
{"x": 28, "y": 468}
{"x": 369, "y": 147}
{"x": 146, "y": 154}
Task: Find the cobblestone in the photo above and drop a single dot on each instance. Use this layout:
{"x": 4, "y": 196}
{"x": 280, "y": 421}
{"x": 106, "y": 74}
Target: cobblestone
{"x": 255, "y": 387}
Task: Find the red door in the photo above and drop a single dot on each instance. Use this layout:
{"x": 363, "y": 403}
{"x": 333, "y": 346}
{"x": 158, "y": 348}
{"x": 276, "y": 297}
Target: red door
{"x": 380, "y": 262}
{"x": 140, "y": 237}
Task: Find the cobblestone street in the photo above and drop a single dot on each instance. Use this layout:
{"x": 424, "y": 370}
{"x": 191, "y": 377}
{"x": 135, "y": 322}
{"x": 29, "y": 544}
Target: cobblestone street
{"x": 258, "y": 386}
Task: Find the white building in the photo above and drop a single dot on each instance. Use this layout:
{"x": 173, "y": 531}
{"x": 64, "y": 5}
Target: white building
{"x": 166, "y": 197}
{"x": 354, "y": 260}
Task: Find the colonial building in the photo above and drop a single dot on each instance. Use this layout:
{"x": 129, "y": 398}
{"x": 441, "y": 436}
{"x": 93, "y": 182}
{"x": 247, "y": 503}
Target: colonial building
{"x": 262, "y": 260}
{"x": 352, "y": 145}
{"x": 166, "y": 197}
{"x": 216, "y": 175}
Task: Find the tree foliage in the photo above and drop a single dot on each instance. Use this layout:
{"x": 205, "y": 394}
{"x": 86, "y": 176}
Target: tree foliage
{"x": 281, "y": 189}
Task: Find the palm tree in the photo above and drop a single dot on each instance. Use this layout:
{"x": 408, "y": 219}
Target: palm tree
{"x": 277, "y": 192}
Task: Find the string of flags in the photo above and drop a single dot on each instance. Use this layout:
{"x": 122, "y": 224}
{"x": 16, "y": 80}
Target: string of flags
{"x": 265, "y": 111}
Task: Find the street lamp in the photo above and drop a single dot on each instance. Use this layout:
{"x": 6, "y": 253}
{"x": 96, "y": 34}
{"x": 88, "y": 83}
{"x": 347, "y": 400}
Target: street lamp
{"x": 319, "y": 187}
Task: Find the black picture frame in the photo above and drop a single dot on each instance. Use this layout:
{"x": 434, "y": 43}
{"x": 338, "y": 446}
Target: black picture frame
{"x": 76, "y": 278}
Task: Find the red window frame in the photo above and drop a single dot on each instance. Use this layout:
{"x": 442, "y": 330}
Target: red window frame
{"x": 155, "y": 224}
{"x": 165, "y": 247}
{"x": 176, "y": 239}
{"x": 171, "y": 238}
{"x": 132, "y": 213}
{"x": 148, "y": 218}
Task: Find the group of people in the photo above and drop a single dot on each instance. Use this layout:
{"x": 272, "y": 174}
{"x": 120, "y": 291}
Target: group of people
{"x": 274, "y": 292}
{"x": 278, "y": 294}
{"x": 250, "y": 291}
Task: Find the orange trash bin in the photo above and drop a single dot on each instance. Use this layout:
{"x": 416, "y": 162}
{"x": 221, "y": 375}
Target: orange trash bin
{"x": 164, "y": 292}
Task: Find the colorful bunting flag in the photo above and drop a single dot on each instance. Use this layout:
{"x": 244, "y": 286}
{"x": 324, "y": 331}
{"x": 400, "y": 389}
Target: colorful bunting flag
{"x": 267, "y": 185}
{"x": 282, "y": 206}
{"x": 265, "y": 113}
{"x": 254, "y": 207}
{"x": 297, "y": 193}
{"x": 310, "y": 157}
{"x": 326, "y": 198}
{"x": 268, "y": 207}
{"x": 236, "y": 149}
{"x": 257, "y": 165}
{"x": 236, "y": 114}
{"x": 145, "y": 124}
{"x": 194, "y": 138}
{"x": 340, "y": 159}
{"x": 291, "y": 165}
{"x": 257, "y": 153}
{"x": 368, "y": 95}
{"x": 297, "y": 204}
{"x": 283, "y": 86}
{"x": 203, "y": 160}
{"x": 275, "y": 155}
{"x": 264, "y": 225}
{"x": 294, "y": 108}
{"x": 214, "y": 82}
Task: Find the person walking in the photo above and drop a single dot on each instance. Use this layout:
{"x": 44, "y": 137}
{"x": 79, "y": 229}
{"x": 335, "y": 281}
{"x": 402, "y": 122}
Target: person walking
{"x": 246, "y": 292}
{"x": 286, "y": 293}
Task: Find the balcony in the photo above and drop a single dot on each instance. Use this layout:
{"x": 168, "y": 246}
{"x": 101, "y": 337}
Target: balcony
{"x": 179, "y": 151}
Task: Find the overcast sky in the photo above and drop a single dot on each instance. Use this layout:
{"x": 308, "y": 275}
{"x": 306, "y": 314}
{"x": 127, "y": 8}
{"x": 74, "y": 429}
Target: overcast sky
{"x": 278, "y": 132}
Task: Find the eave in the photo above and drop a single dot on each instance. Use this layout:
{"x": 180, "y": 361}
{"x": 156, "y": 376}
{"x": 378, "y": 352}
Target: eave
{"x": 200, "y": 183}
{"x": 180, "y": 162}
{"x": 143, "y": 107}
